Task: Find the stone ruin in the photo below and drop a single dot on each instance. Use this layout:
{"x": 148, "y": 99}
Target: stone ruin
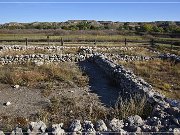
{"x": 164, "y": 118}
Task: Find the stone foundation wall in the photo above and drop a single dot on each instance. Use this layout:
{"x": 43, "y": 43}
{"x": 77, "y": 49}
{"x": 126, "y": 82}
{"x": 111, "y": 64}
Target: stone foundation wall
{"x": 171, "y": 57}
{"x": 46, "y": 58}
{"x": 128, "y": 81}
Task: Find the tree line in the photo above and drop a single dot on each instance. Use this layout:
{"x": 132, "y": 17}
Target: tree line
{"x": 160, "y": 27}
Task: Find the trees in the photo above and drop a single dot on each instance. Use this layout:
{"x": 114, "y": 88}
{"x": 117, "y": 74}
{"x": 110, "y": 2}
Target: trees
{"x": 157, "y": 29}
{"x": 147, "y": 28}
{"x": 84, "y": 25}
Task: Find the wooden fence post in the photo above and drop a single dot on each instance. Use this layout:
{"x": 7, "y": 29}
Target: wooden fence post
{"x": 152, "y": 42}
{"x": 62, "y": 42}
{"x": 26, "y": 42}
{"x": 125, "y": 41}
{"x": 48, "y": 39}
{"x": 94, "y": 42}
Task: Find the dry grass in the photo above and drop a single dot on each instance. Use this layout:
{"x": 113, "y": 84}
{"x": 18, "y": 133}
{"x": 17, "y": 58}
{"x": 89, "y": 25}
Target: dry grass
{"x": 30, "y": 75}
{"x": 164, "y": 76}
{"x": 23, "y": 52}
{"x": 137, "y": 51}
{"x": 65, "y": 109}
{"x": 166, "y": 48}
{"x": 39, "y": 51}
{"x": 135, "y": 105}
{"x": 8, "y": 123}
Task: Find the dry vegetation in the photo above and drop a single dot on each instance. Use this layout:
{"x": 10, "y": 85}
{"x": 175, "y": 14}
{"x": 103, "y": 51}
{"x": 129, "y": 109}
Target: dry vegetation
{"x": 65, "y": 109}
{"x": 132, "y": 106}
{"x": 167, "y": 49}
{"x": 162, "y": 75}
{"x": 136, "y": 51}
{"x": 39, "y": 51}
{"x": 30, "y": 75}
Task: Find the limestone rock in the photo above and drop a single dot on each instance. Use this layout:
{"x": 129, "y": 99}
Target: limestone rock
{"x": 101, "y": 126}
{"x": 135, "y": 120}
{"x": 17, "y": 131}
{"x": 176, "y": 131}
{"x": 7, "y": 103}
{"x": 88, "y": 127}
{"x": 116, "y": 125}
{"x": 1, "y": 133}
{"x": 57, "y": 129}
{"x": 38, "y": 127}
{"x": 75, "y": 126}
{"x": 16, "y": 86}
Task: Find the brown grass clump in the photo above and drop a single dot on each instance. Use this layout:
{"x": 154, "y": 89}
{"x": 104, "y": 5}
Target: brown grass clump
{"x": 16, "y": 75}
{"x": 65, "y": 109}
{"x": 135, "y": 105}
{"x": 164, "y": 76}
{"x": 29, "y": 75}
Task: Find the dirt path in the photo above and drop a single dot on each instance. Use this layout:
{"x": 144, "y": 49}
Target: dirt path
{"x": 24, "y": 101}
{"x": 100, "y": 83}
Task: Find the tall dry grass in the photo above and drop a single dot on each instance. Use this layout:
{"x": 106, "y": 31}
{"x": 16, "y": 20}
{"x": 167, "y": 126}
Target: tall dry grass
{"x": 30, "y": 75}
{"x": 164, "y": 76}
{"x": 135, "y": 105}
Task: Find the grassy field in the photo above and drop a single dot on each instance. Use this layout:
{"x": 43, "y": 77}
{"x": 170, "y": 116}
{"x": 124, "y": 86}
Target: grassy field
{"x": 162, "y": 75}
{"x": 85, "y": 37}
{"x": 69, "y": 37}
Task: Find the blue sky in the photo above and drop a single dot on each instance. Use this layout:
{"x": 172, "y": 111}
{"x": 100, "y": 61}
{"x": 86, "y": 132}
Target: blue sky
{"x": 31, "y": 12}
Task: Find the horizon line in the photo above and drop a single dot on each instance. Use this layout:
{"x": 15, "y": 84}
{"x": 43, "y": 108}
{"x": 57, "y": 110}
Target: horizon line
{"x": 2, "y": 23}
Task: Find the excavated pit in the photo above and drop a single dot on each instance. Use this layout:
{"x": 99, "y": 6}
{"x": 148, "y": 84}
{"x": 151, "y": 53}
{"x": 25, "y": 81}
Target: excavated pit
{"x": 100, "y": 83}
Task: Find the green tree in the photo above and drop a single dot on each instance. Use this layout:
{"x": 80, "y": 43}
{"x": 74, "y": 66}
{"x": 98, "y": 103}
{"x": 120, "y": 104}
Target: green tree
{"x": 84, "y": 25}
{"x": 158, "y": 29}
{"x": 147, "y": 28}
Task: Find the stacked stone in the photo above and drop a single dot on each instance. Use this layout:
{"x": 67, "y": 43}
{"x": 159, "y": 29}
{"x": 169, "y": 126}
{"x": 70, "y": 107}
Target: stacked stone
{"x": 163, "y": 124}
{"x": 44, "y": 58}
{"x": 171, "y": 57}
{"x": 128, "y": 58}
{"x": 128, "y": 80}
{"x": 39, "y": 47}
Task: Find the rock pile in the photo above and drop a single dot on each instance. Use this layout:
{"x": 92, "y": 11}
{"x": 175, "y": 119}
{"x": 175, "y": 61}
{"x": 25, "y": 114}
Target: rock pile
{"x": 132, "y": 124}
